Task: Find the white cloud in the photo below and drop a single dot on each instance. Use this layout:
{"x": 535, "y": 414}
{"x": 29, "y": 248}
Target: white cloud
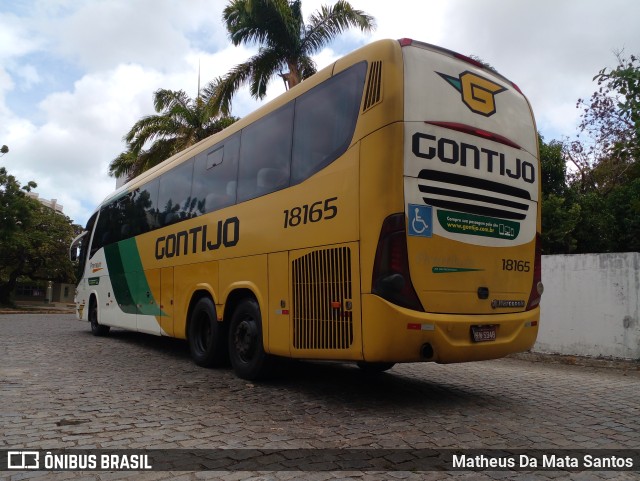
{"x": 107, "y": 58}
{"x": 155, "y": 33}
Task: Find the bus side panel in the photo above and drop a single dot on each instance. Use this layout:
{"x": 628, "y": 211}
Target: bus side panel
{"x": 166, "y": 300}
{"x": 149, "y": 317}
{"x": 247, "y": 273}
{"x": 187, "y": 280}
{"x": 278, "y": 320}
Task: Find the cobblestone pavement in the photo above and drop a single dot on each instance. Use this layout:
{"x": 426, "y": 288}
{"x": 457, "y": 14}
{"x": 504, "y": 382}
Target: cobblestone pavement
{"x": 60, "y": 387}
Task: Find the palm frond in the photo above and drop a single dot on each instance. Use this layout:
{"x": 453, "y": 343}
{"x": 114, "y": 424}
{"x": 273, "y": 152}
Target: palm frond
{"x": 223, "y": 88}
{"x": 330, "y": 21}
{"x": 259, "y": 21}
{"x": 307, "y": 67}
{"x": 264, "y": 66}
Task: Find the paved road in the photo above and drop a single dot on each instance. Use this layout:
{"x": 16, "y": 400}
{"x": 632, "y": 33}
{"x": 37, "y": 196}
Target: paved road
{"x": 60, "y": 387}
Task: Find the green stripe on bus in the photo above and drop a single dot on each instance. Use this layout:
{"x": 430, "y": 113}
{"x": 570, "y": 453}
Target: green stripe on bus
{"x": 130, "y": 286}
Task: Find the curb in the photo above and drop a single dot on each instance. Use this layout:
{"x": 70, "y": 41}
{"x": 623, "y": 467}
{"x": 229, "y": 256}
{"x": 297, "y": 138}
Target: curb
{"x": 584, "y": 361}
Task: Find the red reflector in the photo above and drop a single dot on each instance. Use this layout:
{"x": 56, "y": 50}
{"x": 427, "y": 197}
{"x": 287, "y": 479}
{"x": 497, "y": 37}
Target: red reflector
{"x": 415, "y": 327}
{"x": 405, "y": 42}
{"x": 517, "y": 88}
{"x": 464, "y": 58}
{"x": 335, "y": 305}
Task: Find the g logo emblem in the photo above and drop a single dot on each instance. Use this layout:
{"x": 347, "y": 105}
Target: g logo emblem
{"x": 478, "y": 93}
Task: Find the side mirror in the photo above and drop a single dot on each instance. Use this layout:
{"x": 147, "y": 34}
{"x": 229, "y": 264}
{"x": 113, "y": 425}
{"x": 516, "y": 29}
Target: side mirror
{"x": 74, "y": 248}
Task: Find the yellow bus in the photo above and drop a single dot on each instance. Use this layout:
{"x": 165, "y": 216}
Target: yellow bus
{"x": 386, "y": 210}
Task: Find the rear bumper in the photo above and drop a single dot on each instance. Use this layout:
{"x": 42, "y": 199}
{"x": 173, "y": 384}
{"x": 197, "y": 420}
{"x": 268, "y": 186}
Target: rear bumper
{"x": 394, "y": 334}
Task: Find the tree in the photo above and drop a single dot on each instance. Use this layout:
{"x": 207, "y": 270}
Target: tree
{"x": 180, "y": 122}
{"x": 605, "y": 184}
{"x": 610, "y": 155}
{"x": 560, "y": 215}
{"x": 286, "y": 42}
{"x": 34, "y": 239}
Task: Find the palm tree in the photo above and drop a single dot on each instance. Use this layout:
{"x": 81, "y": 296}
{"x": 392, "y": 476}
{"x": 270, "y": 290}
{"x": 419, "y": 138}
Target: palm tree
{"x": 179, "y": 123}
{"x": 286, "y": 42}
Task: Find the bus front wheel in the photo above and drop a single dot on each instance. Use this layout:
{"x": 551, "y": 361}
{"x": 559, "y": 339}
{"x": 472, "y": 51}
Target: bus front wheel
{"x": 97, "y": 329}
{"x": 246, "y": 349}
{"x": 206, "y": 340}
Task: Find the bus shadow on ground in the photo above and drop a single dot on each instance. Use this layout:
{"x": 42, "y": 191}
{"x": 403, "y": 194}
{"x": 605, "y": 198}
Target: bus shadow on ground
{"x": 166, "y": 346}
{"x": 334, "y": 382}
{"x": 342, "y": 383}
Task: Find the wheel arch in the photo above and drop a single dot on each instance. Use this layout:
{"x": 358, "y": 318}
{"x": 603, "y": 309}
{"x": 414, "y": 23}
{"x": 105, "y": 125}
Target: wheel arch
{"x": 93, "y": 300}
{"x": 235, "y": 297}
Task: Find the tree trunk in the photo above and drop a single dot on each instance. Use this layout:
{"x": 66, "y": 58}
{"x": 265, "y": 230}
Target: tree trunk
{"x": 294, "y": 75}
{"x": 6, "y": 289}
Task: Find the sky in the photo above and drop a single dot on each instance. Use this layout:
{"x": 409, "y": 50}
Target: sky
{"x": 75, "y": 75}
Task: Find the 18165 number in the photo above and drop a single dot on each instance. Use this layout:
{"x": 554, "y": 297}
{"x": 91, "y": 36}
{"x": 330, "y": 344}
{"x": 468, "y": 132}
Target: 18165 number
{"x": 516, "y": 265}
{"x": 321, "y": 210}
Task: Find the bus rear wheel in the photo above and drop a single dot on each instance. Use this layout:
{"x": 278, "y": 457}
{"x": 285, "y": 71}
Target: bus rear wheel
{"x": 97, "y": 329}
{"x": 206, "y": 340}
{"x": 246, "y": 348}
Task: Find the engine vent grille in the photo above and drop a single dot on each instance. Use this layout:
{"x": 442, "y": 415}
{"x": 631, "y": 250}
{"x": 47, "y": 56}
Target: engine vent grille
{"x": 373, "y": 94}
{"x": 322, "y": 317}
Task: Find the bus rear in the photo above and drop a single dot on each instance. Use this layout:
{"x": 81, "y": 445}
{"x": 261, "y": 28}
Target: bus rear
{"x": 461, "y": 265}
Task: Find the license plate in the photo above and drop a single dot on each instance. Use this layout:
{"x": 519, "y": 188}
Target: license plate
{"x": 483, "y": 333}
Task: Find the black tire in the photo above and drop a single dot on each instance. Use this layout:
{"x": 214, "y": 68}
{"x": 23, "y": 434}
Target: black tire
{"x": 97, "y": 329}
{"x": 206, "y": 339}
{"x": 246, "y": 348}
{"x": 375, "y": 367}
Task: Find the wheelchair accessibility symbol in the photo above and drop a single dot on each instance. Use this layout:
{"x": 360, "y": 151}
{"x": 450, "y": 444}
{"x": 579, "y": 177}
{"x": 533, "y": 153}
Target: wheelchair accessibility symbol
{"x": 420, "y": 220}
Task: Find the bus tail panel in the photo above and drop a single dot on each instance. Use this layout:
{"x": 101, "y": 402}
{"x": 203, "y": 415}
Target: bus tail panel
{"x": 397, "y": 334}
{"x": 471, "y": 186}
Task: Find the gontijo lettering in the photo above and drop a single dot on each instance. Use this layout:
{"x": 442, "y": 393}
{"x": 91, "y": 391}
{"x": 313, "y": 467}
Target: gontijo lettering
{"x": 450, "y": 151}
{"x": 198, "y": 239}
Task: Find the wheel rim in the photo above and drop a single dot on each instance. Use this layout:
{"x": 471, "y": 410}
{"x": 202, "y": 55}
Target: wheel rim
{"x": 245, "y": 339}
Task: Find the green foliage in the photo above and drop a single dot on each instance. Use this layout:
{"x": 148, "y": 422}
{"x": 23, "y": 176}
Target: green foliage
{"x": 34, "y": 239}
{"x": 597, "y": 206}
{"x": 559, "y": 215}
{"x": 623, "y": 204}
{"x": 286, "y": 42}
{"x": 554, "y": 168}
{"x": 180, "y": 122}
{"x": 559, "y": 221}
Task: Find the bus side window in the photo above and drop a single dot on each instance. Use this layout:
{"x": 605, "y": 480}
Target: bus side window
{"x": 103, "y": 235}
{"x": 325, "y": 119}
{"x": 174, "y": 196}
{"x": 214, "y": 177}
{"x": 84, "y": 246}
{"x": 265, "y": 154}
{"x": 145, "y": 207}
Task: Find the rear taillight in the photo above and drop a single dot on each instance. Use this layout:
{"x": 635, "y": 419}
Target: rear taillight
{"x": 536, "y": 288}
{"x": 391, "y": 278}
